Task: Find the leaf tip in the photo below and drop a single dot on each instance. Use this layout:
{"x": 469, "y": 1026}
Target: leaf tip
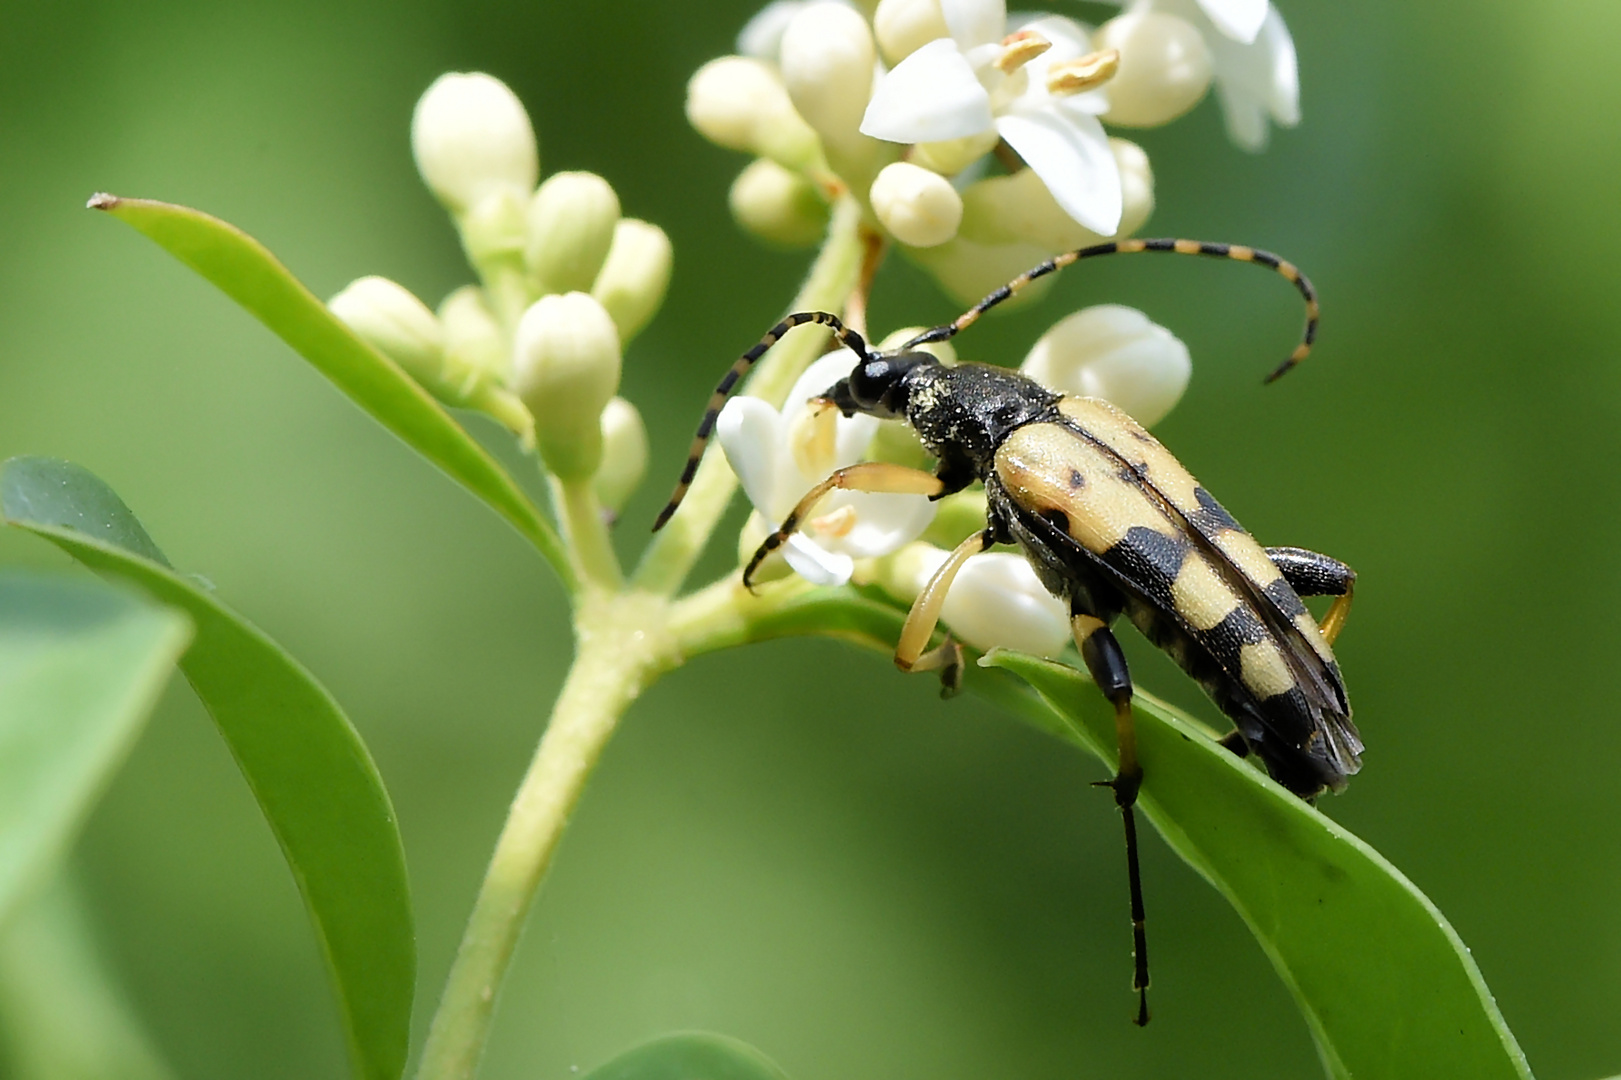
{"x": 102, "y": 201}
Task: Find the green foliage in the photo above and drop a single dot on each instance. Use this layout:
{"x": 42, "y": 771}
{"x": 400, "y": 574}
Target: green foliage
{"x": 692, "y": 1055}
{"x": 307, "y": 766}
{"x": 1388, "y": 988}
{"x": 80, "y": 667}
{"x": 249, "y": 274}
{"x": 62, "y": 1013}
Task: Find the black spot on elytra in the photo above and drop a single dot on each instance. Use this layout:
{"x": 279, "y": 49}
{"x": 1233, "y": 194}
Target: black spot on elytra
{"x": 1287, "y": 600}
{"x": 1058, "y": 519}
{"x": 1149, "y": 559}
{"x": 1212, "y": 516}
{"x": 1076, "y": 480}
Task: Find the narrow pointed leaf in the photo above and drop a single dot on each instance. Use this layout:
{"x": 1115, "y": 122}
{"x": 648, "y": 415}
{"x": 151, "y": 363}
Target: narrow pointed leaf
{"x": 1387, "y": 987}
{"x": 309, "y": 770}
{"x": 249, "y": 274}
{"x": 81, "y": 665}
{"x": 691, "y": 1055}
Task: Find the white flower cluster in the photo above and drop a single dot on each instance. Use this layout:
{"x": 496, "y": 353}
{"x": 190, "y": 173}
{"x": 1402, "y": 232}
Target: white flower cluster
{"x": 903, "y": 109}
{"x": 566, "y": 282}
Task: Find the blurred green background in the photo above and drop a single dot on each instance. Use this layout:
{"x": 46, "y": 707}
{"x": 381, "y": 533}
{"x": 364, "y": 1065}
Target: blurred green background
{"x": 797, "y": 846}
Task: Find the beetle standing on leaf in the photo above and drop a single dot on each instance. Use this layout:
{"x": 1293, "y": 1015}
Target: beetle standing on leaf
{"x": 1112, "y": 524}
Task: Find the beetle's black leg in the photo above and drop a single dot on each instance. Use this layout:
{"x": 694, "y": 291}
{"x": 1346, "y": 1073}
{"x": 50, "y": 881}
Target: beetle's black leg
{"x": 1311, "y": 574}
{"x": 925, "y": 614}
{"x": 1107, "y": 663}
{"x": 873, "y": 476}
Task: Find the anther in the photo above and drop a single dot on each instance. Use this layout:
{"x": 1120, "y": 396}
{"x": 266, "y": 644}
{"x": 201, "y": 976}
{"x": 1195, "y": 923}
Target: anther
{"x": 1083, "y": 73}
{"x": 1018, "y": 49}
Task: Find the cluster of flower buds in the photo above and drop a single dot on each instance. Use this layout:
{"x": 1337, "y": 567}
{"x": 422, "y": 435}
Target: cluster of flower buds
{"x": 909, "y": 108}
{"x": 566, "y": 282}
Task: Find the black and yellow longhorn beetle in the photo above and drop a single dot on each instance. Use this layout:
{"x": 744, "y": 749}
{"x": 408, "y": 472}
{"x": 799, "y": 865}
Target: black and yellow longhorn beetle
{"x": 1112, "y": 524}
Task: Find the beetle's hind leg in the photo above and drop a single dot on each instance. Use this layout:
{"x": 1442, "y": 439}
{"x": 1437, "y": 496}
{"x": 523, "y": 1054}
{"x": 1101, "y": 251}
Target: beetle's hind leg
{"x": 873, "y": 476}
{"x": 1107, "y": 663}
{"x": 1311, "y": 574}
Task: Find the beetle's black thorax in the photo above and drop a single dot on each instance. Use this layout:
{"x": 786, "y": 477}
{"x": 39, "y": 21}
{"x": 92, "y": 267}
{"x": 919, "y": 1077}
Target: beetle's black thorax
{"x": 964, "y": 413}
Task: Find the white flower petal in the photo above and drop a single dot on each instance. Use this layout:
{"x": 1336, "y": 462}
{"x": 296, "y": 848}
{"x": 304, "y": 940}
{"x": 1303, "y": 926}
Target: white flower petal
{"x": 1071, "y": 154}
{"x": 1278, "y": 52}
{"x": 1238, "y": 19}
{"x": 930, "y": 96}
{"x": 884, "y": 523}
{"x": 816, "y": 564}
{"x": 817, "y": 379}
{"x": 975, "y": 22}
{"x": 1246, "y": 120}
{"x": 751, "y": 434}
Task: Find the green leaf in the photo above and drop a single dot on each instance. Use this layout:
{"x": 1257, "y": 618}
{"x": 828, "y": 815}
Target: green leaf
{"x": 81, "y": 665}
{"x": 62, "y": 1012}
{"x": 692, "y": 1055}
{"x": 1386, "y": 985}
{"x": 249, "y": 274}
{"x": 306, "y": 765}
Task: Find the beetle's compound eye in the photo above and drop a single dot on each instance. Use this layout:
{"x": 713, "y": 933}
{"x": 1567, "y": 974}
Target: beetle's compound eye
{"x": 871, "y": 380}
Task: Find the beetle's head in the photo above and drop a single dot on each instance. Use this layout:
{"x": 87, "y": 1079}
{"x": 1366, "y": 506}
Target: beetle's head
{"x": 878, "y": 385}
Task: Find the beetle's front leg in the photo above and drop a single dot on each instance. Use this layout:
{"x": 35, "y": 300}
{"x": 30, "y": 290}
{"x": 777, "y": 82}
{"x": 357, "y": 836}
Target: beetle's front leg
{"x": 925, "y": 615}
{"x": 876, "y": 477}
{"x": 1107, "y": 663}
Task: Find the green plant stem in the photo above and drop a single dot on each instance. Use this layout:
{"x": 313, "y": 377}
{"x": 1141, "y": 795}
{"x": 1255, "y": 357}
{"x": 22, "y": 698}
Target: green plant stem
{"x": 587, "y": 532}
{"x": 832, "y": 278}
{"x": 621, "y": 650}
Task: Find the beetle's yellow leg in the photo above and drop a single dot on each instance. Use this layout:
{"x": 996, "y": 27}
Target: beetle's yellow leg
{"x": 878, "y": 477}
{"x": 1338, "y": 612}
{"x": 1107, "y": 663}
{"x": 925, "y": 615}
{"x": 1311, "y": 574}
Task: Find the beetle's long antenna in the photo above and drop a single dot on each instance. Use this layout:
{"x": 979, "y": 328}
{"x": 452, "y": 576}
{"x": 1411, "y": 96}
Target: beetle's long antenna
{"x": 706, "y": 427}
{"x": 1131, "y": 247}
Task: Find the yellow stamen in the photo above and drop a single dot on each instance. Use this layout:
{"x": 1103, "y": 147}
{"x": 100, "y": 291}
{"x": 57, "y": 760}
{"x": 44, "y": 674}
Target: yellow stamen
{"x": 1093, "y": 69}
{"x": 1018, "y": 49}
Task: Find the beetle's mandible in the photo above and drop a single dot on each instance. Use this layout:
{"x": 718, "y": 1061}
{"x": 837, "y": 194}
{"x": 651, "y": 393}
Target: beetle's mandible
{"x": 1113, "y": 524}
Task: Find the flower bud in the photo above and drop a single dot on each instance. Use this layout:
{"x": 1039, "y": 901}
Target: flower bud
{"x": 624, "y": 454}
{"x": 996, "y": 600}
{"x": 968, "y": 269}
{"x": 1115, "y": 353}
{"x": 470, "y": 136}
{"x": 571, "y": 227}
{"x": 633, "y": 280}
{"x": 394, "y": 322}
{"x": 901, "y": 26}
{"x": 1018, "y": 208}
{"x": 740, "y": 103}
{"x": 473, "y": 342}
{"x": 827, "y": 66}
{"x": 951, "y": 156}
{"x": 495, "y": 228}
{"x": 1165, "y": 67}
{"x": 761, "y": 36}
{"x": 778, "y": 206}
{"x": 566, "y": 367}
{"x": 920, "y": 208}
